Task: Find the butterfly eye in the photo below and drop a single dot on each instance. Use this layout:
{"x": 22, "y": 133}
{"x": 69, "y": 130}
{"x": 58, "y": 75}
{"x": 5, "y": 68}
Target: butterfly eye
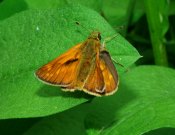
{"x": 99, "y": 36}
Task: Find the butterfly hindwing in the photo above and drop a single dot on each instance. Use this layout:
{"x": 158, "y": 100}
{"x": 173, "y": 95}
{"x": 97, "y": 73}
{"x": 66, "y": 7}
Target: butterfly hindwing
{"x": 95, "y": 81}
{"x": 103, "y": 80}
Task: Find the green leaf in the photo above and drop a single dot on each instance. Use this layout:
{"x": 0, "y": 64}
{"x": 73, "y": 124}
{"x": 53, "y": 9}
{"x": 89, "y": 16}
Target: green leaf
{"x": 119, "y": 13}
{"x": 138, "y": 10}
{"x": 172, "y": 8}
{"x": 33, "y": 38}
{"x": 115, "y": 11}
{"x": 65, "y": 123}
{"x": 161, "y": 131}
{"x": 47, "y": 4}
{"x": 10, "y": 7}
{"x": 144, "y": 102}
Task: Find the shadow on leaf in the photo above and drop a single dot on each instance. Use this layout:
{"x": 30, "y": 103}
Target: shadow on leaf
{"x": 52, "y": 91}
{"x": 104, "y": 111}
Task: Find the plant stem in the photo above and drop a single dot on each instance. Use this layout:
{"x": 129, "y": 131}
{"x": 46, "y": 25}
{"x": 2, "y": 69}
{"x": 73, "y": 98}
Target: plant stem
{"x": 158, "y": 26}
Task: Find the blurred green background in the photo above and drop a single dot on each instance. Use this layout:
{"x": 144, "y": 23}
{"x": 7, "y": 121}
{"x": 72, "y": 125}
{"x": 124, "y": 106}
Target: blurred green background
{"x": 33, "y": 32}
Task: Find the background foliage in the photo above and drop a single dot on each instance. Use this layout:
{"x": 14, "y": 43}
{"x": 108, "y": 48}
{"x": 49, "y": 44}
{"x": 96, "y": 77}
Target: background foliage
{"x": 34, "y": 32}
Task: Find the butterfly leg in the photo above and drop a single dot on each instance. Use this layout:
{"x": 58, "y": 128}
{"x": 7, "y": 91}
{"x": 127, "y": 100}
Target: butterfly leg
{"x": 117, "y": 62}
{"x": 108, "y": 39}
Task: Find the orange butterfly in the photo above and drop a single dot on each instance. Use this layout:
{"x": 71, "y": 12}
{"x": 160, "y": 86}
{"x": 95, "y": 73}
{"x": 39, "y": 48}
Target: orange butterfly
{"x": 86, "y": 66}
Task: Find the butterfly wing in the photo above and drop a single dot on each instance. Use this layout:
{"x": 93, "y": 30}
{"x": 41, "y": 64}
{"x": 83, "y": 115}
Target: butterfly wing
{"x": 103, "y": 80}
{"x": 61, "y": 71}
{"x": 95, "y": 81}
{"x": 109, "y": 73}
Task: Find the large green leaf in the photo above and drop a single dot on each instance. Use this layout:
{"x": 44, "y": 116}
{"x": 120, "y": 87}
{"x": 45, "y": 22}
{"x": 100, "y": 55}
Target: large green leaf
{"x": 144, "y": 102}
{"x": 34, "y": 37}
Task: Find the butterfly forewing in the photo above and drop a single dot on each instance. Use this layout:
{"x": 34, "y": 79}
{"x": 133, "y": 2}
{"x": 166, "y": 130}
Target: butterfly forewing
{"x": 62, "y": 70}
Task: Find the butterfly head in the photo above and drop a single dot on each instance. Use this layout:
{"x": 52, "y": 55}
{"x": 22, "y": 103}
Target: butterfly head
{"x": 95, "y": 35}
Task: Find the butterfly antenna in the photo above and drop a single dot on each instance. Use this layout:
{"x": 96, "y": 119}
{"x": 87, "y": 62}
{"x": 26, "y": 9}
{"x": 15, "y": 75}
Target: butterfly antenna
{"x": 82, "y": 26}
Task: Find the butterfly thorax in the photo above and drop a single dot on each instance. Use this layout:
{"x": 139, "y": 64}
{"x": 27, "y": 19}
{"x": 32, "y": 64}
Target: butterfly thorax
{"x": 90, "y": 53}
{"x": 95, "y": 35}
